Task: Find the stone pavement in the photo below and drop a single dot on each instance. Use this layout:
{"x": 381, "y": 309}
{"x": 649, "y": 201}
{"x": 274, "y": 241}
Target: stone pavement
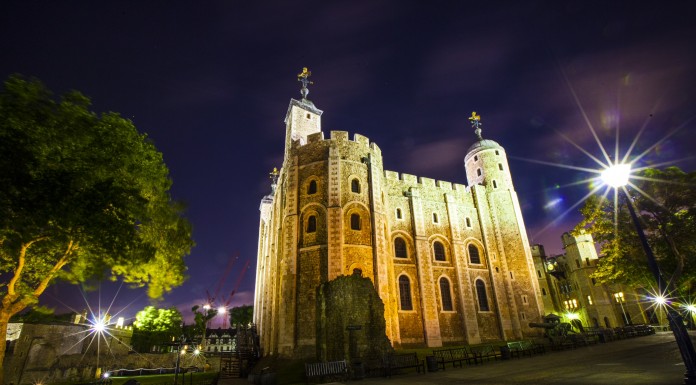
{"x": 645, "y": 360}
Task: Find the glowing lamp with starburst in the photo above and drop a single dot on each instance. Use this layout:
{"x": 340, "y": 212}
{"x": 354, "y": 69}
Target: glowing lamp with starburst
{"x": 616, "y": 175}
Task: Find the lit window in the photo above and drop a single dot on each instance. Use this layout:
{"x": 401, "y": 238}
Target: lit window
{"x": 355, "y": 222}
{"x": 405, "y": 293}
{"x": 312, "y": 188}
{"x": 589, "y": 299}
{"x": 439, "y": 251}
{"x": 355, "y": 186}
{"x": 311, "y": 224}
{"x": 481, "y": 295}
{"x": 445, "y": 295}
{"x": 474, "y": 256}
{"x": 400, "y": 250}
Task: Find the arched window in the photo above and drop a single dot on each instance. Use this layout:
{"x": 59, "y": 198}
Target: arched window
{"x": 398, "y": 213}
{"x": 311, "y": 224}
{"x": 355, "y": 221}
{"x": 312, "y": 188}
{"x": 355, "y": 186}
{"x": 405, "y": 293}
{"x": 400, "y": 250}
{"x": 481, "y": 295}
{"x": 439, "y": 251}
{"x": 445, "y": 294}
{"x": 474, "y": 256}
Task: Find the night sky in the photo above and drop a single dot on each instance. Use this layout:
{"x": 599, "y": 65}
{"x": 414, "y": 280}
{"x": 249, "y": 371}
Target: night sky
{"x": 210, "y": 83}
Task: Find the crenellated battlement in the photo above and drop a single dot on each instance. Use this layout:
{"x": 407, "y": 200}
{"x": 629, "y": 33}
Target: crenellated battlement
{"x": 339, "y": 136}
{"x": 423, "y": 181}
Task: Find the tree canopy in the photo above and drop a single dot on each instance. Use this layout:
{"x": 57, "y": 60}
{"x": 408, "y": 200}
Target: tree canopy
{"x": 665, "y": 201}
{"x": 242, "y": 315}
{"x": 152, "y": 319}
{"x": 81, "y": 195}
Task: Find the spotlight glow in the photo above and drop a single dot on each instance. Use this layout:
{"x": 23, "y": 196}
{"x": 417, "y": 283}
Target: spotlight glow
{"x": 660, "y": 300}
{"x": 572, "y": 316}
{"x": 222, "y": 310}
{"x": 616, "y": 175}
{"x": 691, "y": 308}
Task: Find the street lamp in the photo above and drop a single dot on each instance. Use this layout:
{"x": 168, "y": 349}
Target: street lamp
{"x": 617, "y": 176}
{"x": 619, "y": 297}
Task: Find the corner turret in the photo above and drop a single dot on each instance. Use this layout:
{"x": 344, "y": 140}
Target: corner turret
{"x": 302, "y": 118}
{"x": 485, "y": 162}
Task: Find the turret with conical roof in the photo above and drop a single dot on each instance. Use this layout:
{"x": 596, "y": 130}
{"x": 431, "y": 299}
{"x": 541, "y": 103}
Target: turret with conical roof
{"x": 485, "y": 162}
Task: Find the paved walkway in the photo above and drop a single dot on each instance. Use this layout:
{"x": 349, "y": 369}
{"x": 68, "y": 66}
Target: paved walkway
{"x": 653, "y": 360}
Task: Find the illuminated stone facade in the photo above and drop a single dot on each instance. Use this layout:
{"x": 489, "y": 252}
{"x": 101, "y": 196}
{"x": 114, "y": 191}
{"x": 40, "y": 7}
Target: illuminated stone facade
{"x": 568, "y": 290}
{"x": 451, "y": 263}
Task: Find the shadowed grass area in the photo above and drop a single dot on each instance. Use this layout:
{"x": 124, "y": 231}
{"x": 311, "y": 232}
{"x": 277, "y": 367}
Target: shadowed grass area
{"x": 157, "y": 379}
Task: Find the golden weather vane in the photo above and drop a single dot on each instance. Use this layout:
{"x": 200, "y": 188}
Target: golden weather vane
{"x": 476, "y": 124}
{"x": 303, "y": 77}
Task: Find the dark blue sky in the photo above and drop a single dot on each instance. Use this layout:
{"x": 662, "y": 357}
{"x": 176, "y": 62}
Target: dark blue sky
{"x": 210, "y": 83}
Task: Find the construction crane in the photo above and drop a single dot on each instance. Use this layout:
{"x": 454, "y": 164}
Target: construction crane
{"x": 227, "y": 300}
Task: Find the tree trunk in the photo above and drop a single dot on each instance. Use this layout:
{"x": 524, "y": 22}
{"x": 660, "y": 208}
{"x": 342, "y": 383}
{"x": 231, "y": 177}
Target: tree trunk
{"x": 4, "y": 320}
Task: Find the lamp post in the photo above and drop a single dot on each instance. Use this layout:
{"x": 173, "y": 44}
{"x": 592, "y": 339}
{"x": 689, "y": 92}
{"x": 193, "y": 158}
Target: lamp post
{"x": 619, "y": 297}
{"x": 616, "y": 176}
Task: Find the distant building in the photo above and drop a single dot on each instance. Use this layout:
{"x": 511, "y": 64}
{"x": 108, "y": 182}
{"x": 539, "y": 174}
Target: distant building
{"x": 568, "y": 290}
{"x": 451, "y": 263}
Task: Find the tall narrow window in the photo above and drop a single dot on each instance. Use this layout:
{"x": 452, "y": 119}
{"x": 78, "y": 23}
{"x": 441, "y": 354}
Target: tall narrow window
{"x": 500, "y": 166}
{"x": 468, "y": 222}
{"x": 312, "y": 188}
{"x": 398, "y": 214}
{"x": 400, "y": 250}
{"x": 445, "y": 294}
{"x": 434, "y": 217}
{"x": 405, "y": 293}
{"x": 474, "y": 256}
{"x": 355, "y": 221}
{"x": 478, "y": 172}
{"x": 311, "y": 224}
{"x": 481, "y": 295}
{"x": 355, "y": 186}
{"x": 439, "y": 251}
{"x": 495, "y": 184}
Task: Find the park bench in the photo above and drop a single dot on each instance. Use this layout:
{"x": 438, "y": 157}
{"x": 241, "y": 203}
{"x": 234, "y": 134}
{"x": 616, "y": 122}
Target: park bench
{"x": 323, "y": 370}
{"x": 403, "y": 361}
{"x": 524, "y": 347}
{"x": 454, "y": 356}
{"x": 485, "y": 352}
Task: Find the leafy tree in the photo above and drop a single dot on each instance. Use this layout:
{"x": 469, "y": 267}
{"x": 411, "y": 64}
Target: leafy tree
{"x": 201, "y": 317}
{"x": 665, "y": 201}
{"x": 159, "y": 320}
{"x": 81, "y": 195}
{"x": 156, "y": 327}
{"x": 242, "y": 315}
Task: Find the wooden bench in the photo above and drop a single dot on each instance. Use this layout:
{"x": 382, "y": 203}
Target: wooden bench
{"x": 525, "y": 347}
{"x": 326, "y": 369}
{"x": 454, "y": 356}
{"x": 403, "y": 361}
{"x": 485, "y": 352}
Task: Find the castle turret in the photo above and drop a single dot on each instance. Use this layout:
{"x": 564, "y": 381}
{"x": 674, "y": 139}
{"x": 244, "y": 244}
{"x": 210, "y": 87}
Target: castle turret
{"x": 302, "y": 118}
{"x": 486, "y": 163}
